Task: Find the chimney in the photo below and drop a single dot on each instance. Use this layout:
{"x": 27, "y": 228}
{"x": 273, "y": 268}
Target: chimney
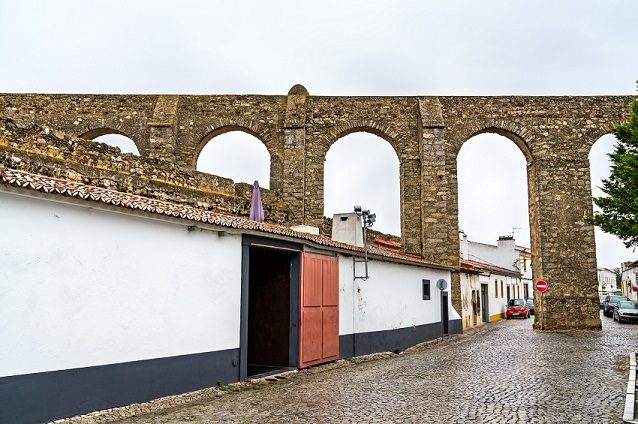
{"x": 346, "y": 228}
{"x": 506, "y": 243}
{"x": 465, "y": 246}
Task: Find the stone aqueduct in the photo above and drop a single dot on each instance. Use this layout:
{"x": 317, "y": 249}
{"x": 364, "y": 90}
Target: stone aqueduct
{"x": 554, "y": 133}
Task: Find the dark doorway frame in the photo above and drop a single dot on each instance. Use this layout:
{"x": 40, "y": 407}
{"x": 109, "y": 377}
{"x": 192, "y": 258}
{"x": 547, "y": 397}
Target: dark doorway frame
{"x": 282, "y": 251}
{"x": 484, "y": 304}
{"x": 445, "y": 313}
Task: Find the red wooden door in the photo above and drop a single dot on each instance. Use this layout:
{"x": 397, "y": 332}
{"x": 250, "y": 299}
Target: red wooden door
{"x": 319, "y": 321}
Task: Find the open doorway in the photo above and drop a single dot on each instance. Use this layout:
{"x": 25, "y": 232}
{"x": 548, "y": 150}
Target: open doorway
{"x": 270, "y": 337}
{"x": 290, "y": 307}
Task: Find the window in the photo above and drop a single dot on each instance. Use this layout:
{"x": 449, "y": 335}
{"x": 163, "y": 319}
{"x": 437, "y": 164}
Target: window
{"x": 495, "y": 288}
{"x": 426, "y": 289}
{"x": 502, "y": 291}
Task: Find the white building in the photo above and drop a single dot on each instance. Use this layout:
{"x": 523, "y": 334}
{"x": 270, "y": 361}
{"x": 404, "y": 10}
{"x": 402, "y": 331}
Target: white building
{"x": 109, "y": 299}
{"x": 524, "y": 266}
{"x": 490, "y": 276}
{"x": 485, "y": 290}
{"x": 606, "y": 281}
{"x": 629, "y": 283}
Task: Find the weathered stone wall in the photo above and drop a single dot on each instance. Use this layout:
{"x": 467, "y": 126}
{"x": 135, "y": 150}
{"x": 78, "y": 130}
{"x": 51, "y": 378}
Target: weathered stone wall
{"x": 554, "y": 133}
{"x": 42, "y": 150}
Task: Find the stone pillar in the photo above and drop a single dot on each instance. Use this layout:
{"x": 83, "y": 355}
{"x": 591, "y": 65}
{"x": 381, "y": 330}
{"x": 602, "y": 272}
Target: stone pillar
{"x": 563, "y": 246}
{"x": 439, "y": 208}
{"x": 162, "y": 136}
{"x": 410, "y": 170}
{"x": 293, "y": 186}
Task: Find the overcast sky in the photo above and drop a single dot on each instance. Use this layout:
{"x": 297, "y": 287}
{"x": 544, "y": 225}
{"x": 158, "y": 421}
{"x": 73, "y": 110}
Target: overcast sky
{"x": 539, "y": 47}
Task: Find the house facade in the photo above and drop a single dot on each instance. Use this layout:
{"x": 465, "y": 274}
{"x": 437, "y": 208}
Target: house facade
{"x": 606, "y": 281}
{"x": 524, "y": 266}
{"x": 485, "y": 290}
{"x": 490, "y": 276}
{"x": 629, "y": 281}
{"x": 110, "y": 299}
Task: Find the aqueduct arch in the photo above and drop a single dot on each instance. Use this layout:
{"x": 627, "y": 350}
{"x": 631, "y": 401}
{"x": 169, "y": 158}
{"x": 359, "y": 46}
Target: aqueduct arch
{"x": 426, "y": 132}
{"x": 366, "y": 178}
{"x": 257, "y": 146}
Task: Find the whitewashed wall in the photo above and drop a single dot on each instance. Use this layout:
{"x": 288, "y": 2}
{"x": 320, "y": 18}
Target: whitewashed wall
{"x": 83, "y": 287}
{"x": 470, "y": 282}
{"x": 628, "y": 279}
{"x": 606, "y": 281}
{"x": 392, "y": 298}
{"x": 498, "y": 304}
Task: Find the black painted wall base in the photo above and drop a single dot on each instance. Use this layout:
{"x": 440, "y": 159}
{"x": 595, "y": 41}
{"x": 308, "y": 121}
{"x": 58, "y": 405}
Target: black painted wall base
{"x": 351, "y": 345}
{"x": 48, "y": 396}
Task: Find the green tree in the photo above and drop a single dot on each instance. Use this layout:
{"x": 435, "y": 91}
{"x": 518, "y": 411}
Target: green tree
{"x": 619, "y": 208}
{"x": 618, "y": 273}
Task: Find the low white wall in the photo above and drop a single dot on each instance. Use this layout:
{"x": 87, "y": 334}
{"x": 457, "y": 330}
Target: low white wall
{"x": 83, "y": 287}
{"x": 391, "y": 298}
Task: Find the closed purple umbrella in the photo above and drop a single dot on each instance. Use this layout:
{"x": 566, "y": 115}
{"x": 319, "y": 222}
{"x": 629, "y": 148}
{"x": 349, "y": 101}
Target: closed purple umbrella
{"x": 256, "y": 208}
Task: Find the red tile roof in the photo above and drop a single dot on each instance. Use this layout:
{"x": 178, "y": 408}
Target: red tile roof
{"x": 476, "y": 266}
{"x": 41, "y": 183}
{"x": 395, "y": 245}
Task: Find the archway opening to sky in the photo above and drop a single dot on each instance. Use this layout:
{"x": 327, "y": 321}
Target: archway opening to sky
{"x": 236, "y": 155}
{"x": 363, "y": 169}
{"x": 125, "y": 144}
{"x": 492, "y": 190}
{"x": 610, "y": 250}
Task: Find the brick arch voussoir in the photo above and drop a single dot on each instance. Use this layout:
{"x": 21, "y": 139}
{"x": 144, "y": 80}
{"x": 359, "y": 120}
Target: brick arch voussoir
{"x": 341, "y": 130}
{"x": 520, "y": 135}
{"x": 225, "y": 125}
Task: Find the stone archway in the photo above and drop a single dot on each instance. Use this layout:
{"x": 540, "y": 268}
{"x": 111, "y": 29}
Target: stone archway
{"x": 426, "y": 132}
{"x": 235, "y": 154}
{"x": 362, "y": 168}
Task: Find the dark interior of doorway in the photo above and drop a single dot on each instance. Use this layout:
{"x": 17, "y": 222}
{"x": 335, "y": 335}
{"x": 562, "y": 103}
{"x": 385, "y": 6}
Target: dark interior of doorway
{"x": 269, "y": 311}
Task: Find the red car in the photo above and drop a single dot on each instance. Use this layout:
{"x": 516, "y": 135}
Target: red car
{"x": 517, "y": 308}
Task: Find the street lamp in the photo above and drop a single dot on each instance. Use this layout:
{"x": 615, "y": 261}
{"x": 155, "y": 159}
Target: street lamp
{"x": 367, "y": 220}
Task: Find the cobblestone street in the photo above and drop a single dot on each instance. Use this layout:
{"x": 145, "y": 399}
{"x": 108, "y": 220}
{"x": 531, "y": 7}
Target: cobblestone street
{"x": 504, "y": 372}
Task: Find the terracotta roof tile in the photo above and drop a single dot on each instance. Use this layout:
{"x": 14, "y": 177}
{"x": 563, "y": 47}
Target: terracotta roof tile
{"x": 41, "y": 183}
{"x": 388, "y": 243}
{"x": 481, "y": 266}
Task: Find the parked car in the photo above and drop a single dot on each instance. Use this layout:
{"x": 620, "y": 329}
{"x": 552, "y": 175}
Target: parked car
{"x": 601, "y": 298}
{"x": 626, "y": 311}
{"x": 609, "y": 303}
{"x": 530, "y": 304}
{"x": 517, "y": 308}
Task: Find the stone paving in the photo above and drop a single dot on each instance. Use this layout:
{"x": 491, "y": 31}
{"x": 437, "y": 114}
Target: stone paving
{"x": 504, "y": 372}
